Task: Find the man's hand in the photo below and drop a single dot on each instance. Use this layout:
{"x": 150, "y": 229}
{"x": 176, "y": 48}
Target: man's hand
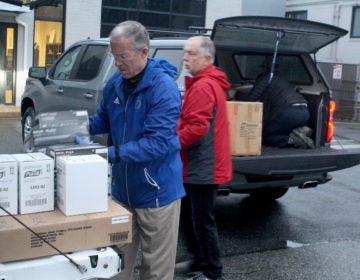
{"x": 81, "y": 141}
{"x": 114, "y": 154}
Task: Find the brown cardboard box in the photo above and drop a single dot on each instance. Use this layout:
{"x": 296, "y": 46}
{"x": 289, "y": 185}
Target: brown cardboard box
{"x": 245, "y": 126}
{"x": 67, "y": 234}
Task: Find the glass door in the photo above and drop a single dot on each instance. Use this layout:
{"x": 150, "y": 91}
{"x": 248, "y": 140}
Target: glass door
{"x": 7, "y": 63}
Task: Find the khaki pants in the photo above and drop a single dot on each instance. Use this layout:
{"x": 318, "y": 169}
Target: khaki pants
{"x": 155, "y": 232}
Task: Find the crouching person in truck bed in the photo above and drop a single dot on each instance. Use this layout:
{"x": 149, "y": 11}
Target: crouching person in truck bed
{"x": 140, "y": 110}
{"x": 285, "y": 111}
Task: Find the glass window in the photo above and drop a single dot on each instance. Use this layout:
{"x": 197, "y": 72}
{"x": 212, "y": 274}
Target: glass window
{"x": 48, "y": 34}
{"x": 47, "y": 42}
{"x": 355, "y": 24}
{"x": 166, "y": 15}
{"x": 121, "y": 3}
{"x": 64, "y": 67}
{"x": 158, "y": 5}
{"x": 183, "y": 22}
{"x": 194, "y": 7}
{"x": 90, "y": 63}
{"x": 297, "y": 14}
{"x": 116, "y": 16}
{"x": 53, "y": 12}
{"x": 154, "y": 20}
{"x": 249, "y": 67}
{"x": 106, "y": 29}
{"x": 174, "y": 56}
{"x": 9, "y": 66}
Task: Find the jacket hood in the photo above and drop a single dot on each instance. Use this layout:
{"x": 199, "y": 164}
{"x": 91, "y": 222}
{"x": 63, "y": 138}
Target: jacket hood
{"x": 164, "y": 65}
{"x": 155, "y": 65}
{"x": 213, "y": 73}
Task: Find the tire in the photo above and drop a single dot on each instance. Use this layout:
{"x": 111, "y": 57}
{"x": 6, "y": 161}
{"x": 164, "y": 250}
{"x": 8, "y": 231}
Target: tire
{"x": 268, "y": 194}
{"x": 27, "y": 126}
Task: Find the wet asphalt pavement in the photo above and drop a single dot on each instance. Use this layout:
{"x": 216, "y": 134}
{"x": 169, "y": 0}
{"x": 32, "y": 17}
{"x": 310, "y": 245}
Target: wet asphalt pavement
{"x": 310, "y": 234}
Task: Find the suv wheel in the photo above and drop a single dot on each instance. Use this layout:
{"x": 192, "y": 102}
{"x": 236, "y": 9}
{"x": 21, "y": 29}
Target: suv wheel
{"x": 27, "y": 125}
{"x": 268, "y": 194}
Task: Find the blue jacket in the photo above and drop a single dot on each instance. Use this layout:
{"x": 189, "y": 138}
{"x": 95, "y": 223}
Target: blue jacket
{"x": 149, "y": 173}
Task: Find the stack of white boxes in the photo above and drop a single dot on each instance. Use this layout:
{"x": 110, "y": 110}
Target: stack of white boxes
{"x": 27, "y": 183}
{"x": 35, "y": 182}
{"x": 8, "y": 184}
{"x": 81, "y": 183}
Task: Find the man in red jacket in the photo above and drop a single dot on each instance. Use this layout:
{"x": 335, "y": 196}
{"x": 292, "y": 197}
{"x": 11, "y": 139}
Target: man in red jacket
{"x": 204, "y": 138}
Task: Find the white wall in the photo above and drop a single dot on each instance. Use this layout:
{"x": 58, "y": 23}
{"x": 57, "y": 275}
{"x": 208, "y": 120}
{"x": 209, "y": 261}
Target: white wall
{"x": 83, "y": 18}
{"x": 264, "y": 7}
{"x": 25, "y": 23}
{"x": 334, "y": 12}
{"x": 220, "y": 8}
{"x": 347, "y": 48}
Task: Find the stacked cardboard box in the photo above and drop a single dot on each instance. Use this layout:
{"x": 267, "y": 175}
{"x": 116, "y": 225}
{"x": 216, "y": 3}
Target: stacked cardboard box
{"x": 56, "y": 151}
{"x": 8, "y": 184}
{"x": 245, "y": 127}
{"x": 66, "y": 233}
{"x": 35, "y": 182}
{"x": 81, "y": 183}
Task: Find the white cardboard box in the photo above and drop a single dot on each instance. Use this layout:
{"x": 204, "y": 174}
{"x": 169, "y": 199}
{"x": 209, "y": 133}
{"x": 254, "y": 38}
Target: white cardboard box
{"x": 55, "y": 151}
{"x": 36, "y": 182}
{"x": 8, "y": 184}
{"x": 82, "y": 185}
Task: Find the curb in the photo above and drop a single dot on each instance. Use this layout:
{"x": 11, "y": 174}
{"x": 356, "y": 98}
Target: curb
{"x": 9, "y": 112}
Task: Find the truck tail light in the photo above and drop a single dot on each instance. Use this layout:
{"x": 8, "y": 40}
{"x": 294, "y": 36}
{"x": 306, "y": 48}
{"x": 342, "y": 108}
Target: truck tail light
{"x": 331, "y": 126}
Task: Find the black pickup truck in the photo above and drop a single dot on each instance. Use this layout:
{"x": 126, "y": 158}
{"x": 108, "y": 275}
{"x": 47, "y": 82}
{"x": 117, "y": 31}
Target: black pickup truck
{"x": 76, "y": 80}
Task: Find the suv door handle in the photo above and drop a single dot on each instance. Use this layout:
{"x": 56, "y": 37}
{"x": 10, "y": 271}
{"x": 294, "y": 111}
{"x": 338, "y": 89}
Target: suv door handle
{"x": 60, "y": 91}
{"x": 88, "y": 95}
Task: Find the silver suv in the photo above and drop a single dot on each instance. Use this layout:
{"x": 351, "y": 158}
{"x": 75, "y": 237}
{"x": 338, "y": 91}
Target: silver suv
{"x": 78, "y": 76}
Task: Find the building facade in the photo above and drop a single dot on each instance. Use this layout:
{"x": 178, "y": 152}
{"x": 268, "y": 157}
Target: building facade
{"x": 341, "y": 13}
{"x": 36, "y": 32}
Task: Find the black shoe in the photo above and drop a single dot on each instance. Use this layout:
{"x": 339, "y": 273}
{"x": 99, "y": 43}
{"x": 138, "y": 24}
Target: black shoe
{"x": 300, "y": 140}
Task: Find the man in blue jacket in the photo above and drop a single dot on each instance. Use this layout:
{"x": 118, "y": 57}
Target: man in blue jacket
{"x": 140, "y": 110}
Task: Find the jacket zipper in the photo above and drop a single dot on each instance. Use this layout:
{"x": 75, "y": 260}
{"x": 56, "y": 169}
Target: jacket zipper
{"x": 152, "y": 182}
{"x": 126, "y": 165}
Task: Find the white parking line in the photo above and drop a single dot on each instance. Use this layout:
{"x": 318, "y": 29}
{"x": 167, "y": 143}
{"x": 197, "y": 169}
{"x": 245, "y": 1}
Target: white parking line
{"x": 345, "y": 144}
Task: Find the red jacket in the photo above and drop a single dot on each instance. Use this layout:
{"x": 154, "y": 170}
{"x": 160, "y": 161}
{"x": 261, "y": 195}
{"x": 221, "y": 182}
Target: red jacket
{"x": 204, "y": 130}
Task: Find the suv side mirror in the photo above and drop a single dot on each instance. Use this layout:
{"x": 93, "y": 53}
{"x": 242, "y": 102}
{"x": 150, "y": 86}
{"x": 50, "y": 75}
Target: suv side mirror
{"x": 37, "y": 72}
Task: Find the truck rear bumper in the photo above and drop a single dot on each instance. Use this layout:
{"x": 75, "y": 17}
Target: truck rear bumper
{"x": 291, "y": 162}
{"x": 288, "y": 168}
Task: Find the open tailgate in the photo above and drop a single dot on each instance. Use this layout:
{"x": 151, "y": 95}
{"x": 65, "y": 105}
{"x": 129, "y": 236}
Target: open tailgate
{"x": 258, "y": 33}
{"x": 289, "y": 162}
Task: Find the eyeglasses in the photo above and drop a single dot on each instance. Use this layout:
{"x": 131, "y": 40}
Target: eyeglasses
{"x": 120, "y": 56}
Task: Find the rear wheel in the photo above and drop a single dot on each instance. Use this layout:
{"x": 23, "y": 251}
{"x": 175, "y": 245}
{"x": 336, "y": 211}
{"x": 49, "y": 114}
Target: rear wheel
{"x": 27, "y": 126}
{"x": 268, "y": 193}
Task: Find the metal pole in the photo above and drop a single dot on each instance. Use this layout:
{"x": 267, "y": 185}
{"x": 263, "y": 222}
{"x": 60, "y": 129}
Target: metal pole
{"x": 279, "y": 35}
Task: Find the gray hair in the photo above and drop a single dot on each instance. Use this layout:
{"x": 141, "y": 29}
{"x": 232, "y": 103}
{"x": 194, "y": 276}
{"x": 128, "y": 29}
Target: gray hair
{"x": 207, "y": 47}
{"x": 131, "y": 29}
